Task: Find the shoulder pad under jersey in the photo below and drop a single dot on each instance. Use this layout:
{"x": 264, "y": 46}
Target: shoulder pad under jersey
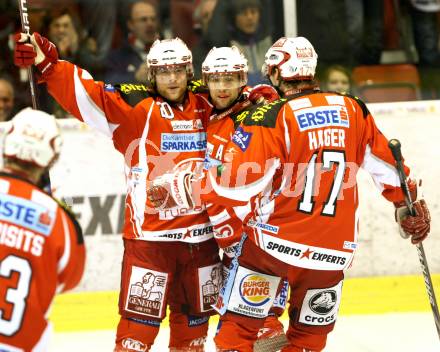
{"x": 197, "y": 87}
{"x": 364, "y": 108}
{"x": 134, "y": 93}
{"x": 261, "y": 114}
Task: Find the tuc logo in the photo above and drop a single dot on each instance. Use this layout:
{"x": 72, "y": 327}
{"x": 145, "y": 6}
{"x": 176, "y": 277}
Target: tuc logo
{"x": 255, "y": 290}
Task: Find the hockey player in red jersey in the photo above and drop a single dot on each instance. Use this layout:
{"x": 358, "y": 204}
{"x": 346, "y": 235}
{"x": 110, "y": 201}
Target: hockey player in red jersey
{"x": 170, "y": 254}
{"x": 41, "y": 245}
{"x": 224, "y": 73}
{"x": 304, "y": 221}
{"x": 304, "y": 151}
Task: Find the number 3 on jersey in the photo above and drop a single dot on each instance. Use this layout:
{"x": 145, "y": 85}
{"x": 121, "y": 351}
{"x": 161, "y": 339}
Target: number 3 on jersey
{"x": 329, "y": 157}
{"x": 15, "y": 295}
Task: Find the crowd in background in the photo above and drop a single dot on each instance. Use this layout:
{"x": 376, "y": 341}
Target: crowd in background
{"x": 111, "y": 38}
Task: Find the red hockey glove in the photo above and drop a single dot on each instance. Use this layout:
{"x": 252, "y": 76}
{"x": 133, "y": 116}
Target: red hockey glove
{"x": 417, "y": 227}
{"x": 24, "y": 52}
{"x": 263, "y": 92}
{"x": 40, "y": 52}
{"x": 171, "y": 190}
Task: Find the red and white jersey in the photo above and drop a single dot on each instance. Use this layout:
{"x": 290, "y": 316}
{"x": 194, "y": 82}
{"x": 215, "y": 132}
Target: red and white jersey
{"x": 154, "y": 137}
{"x": 296, "y": 159}
{"x": 227, "y": 222}
{"x": 41, "y": 253}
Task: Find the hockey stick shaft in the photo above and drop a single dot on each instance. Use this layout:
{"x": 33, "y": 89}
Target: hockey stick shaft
{"x": 394, "y": 146}
{"x": 25, "y": 27}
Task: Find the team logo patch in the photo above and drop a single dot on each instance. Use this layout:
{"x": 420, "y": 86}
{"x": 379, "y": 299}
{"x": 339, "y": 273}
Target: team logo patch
{"x": 183, "y": 142}
{"x": 27, "y": 214}
{"x": 253, "y": 293}
{"x": 109, "y": 88}
{"x": 241, "y": 138}
{"x": 210, "y": 281}
{"x": 146, "y": 292}
{"x": 318, "y": 117}
{"x": 320, "y": 306}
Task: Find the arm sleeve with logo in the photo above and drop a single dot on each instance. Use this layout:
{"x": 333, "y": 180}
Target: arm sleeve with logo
{"x": 255, "y": 155}
{"x": 98, "y": 105}
{"x": 376, "y": 157}
{"x": 72, "y": 253}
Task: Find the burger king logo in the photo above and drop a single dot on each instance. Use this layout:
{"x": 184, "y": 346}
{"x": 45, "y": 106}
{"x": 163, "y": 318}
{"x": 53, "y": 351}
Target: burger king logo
{"x": 255, "y": 290}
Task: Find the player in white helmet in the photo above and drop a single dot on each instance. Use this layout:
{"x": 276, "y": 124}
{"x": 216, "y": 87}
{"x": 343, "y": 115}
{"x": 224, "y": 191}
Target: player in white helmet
{"x": 224, "y": 72}
{"x": 163, "y": 130}
{"x": 41, "y": 246}
{"x": 303, "y": 151}
{"x": 32, "y": 143}
{"x": 169, "y": 68}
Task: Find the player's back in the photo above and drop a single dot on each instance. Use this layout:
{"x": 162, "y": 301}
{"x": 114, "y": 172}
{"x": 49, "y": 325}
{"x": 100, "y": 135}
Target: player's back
{"x": 312, "y": 223}
{"x": 41, "y": 253}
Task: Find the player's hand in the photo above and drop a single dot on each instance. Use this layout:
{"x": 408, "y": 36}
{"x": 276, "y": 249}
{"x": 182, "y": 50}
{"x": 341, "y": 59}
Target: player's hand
{"x": 263, "y": 93}
{"x": 171, "y": 190}
{"x": 417, "y": 227}
{"x": 40, "y": 51}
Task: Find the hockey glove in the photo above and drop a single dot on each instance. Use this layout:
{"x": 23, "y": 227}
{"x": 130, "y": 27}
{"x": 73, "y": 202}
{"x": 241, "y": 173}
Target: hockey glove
{"x": 171, "y": 190}
{"x": 263, "y": 93}
{"x": 40, "y": 52}
{"x": 417, "y": 227}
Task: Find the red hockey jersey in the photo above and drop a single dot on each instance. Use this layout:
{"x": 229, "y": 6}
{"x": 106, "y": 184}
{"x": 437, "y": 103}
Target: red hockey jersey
{"x": 154, "y": 137}
{"x": 41, "y": 253}
{"x": 296, "y": 159}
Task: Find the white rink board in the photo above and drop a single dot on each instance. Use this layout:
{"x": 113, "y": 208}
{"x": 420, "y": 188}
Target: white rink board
{"x": 92, "y": 171}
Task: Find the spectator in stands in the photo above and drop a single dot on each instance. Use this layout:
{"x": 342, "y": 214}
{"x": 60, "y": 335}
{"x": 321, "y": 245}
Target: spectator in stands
{"x": 6, "y": 99}
{"x": 63, "y": 27}
{"x": 337, "y": 79}
{"x": 242, "y": 23}
{"x": 426, "y": 33}
{"x": 202, "y": 16}
{"x": 129, "y": 63}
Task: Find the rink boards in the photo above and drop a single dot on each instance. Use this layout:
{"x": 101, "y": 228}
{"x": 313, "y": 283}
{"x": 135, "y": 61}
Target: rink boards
{"x": 83, "y": 311}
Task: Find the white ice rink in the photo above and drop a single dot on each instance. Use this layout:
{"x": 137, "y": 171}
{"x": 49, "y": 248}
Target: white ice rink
{"x": 409, "y": 332}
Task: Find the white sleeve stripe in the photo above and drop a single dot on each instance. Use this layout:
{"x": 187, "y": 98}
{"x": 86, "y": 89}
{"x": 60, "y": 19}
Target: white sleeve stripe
{"x": 90, "y": 112}
{"x": 64, "y": 260}
{"x": 220, "y": 217}
{"x": 246, "y": 192}
{"x": 382, "y": 172}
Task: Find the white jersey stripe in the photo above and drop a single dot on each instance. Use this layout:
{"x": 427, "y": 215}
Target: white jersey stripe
{"x": 382, "y": 172}
{"x": 246, "y": 192}
{"x": 91, "y": 114}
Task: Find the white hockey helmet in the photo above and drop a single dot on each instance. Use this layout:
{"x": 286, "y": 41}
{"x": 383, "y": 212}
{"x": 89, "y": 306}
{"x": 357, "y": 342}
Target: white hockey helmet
{"x": 33, "y": 137}
{"x": 294, "y": 57}
{"x": 225, "y": 60}
{"x": 169, "y": 52}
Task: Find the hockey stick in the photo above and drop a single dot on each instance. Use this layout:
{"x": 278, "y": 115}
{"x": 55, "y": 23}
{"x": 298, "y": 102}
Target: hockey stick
{"x": 26, "y": 28}
{"x": 394, "y": 145}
